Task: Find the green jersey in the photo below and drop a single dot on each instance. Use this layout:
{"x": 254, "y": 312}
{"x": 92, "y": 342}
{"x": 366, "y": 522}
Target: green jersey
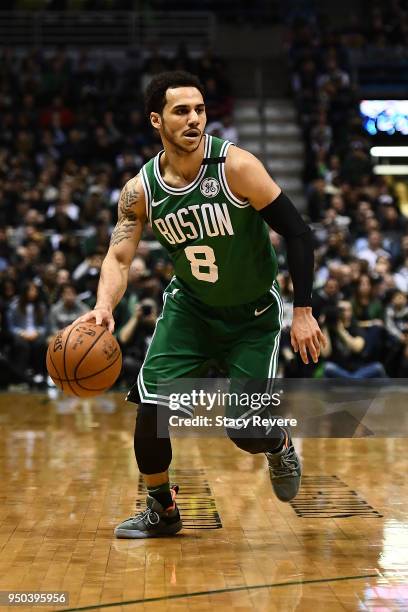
{"x": 219, "y": 244}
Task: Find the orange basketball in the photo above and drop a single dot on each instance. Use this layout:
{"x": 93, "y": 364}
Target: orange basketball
{"x": 84, "y": 359}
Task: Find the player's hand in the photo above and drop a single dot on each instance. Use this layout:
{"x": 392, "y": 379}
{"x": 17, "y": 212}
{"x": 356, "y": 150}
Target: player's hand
{"x": 101, "y": 315}
{"x": 340, "y": 327}
{"x": 306, "y": 335}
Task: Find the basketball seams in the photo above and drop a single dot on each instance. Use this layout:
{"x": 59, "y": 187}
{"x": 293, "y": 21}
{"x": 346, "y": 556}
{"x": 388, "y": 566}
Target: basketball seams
{"x": 65, "y": 367}
{"x": 108, "y": 355}
{"x": 75, "y": 380}
{"x": 87, "y": 351}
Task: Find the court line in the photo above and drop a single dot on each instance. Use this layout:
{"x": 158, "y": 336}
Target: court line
{"x": 217, "y": 591}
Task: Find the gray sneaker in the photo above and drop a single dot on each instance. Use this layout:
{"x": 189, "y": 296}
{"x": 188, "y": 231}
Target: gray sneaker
{"x": 285, "y": 470}
{"x": 153, "y": 522}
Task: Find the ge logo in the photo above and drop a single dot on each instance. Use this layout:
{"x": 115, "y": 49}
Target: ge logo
{"x": 210, "y": 187}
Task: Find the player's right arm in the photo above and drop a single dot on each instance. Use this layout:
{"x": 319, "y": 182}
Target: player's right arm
{"x": 122, "y": 249}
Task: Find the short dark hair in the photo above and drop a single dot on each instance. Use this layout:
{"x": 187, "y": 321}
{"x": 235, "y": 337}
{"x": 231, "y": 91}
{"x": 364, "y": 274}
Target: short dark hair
{"x": 155, "y": 96}
{"x": 69, "y": 286}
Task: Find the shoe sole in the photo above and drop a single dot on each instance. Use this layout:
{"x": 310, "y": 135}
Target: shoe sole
{"x": 137, "y": 534}
{"x": 287, "y": 499}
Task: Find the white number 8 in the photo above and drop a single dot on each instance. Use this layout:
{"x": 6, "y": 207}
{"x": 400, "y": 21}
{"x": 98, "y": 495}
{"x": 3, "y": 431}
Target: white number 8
{"x": 197, "y": 263}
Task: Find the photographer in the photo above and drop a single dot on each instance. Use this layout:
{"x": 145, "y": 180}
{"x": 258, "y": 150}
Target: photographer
{"x": 135, "y": 337}
{"x": 344, "y": 350}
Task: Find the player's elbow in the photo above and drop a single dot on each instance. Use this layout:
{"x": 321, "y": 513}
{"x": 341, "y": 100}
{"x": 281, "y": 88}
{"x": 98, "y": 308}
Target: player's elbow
{"x": 119, "y": 258}
{"x": 283, "y": 217}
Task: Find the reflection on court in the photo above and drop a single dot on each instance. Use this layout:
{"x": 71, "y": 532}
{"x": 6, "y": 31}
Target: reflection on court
{"x": 68, "y": 477}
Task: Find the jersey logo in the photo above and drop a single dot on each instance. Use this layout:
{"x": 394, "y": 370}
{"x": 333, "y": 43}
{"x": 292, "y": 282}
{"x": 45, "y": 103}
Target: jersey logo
{"x": 159, "y": 201}
{"x": 259, "y": 312}
{"x": 210, "y": 187}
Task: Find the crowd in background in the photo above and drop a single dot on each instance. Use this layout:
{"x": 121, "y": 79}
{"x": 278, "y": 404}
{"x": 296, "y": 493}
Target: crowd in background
{"x": 235, "y": 11}
{"x": 73, "y": 131}
{"x": 359, "y": 219}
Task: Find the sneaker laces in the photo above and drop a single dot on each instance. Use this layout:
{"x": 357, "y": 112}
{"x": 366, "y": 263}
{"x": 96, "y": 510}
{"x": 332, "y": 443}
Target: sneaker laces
{"x": 288, "y": 463}
{"x": 150, "y": 516}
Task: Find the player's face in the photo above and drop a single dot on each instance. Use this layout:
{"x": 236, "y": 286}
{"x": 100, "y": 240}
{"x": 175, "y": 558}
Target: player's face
{"x": 183, "y": 119}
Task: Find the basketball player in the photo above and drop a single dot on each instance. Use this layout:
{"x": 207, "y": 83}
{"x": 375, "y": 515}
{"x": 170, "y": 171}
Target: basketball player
{"x": 210, "y": 205}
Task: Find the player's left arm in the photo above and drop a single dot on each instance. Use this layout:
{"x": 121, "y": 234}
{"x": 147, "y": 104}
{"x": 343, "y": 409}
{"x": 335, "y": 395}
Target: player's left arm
{"x": 249, "y": 180}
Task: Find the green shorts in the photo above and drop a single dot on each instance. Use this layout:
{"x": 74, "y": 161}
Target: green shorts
{"x": 242, "y": 340}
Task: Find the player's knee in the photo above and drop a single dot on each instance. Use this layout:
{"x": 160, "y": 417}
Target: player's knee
{"x": 146, "y": 421}
{"x": 251, "y": 445}
{"x": 257, "y": 439}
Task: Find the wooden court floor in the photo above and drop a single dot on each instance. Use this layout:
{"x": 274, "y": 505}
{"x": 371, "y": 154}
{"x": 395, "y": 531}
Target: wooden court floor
{"x": 68, "y": 477}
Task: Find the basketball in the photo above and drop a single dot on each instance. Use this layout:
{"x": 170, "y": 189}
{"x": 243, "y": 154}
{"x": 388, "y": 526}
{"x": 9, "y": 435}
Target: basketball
{"x": 84, "y": 359}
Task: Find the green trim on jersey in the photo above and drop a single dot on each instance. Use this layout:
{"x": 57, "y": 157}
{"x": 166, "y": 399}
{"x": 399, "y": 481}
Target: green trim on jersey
{"x": 219, "y": 244}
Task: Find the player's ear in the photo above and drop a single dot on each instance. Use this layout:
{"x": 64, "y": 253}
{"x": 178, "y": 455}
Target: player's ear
{"x": 155, "y": 120}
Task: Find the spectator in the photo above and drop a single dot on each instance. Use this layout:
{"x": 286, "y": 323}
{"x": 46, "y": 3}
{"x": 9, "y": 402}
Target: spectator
{"x": 66, "y": 310}
{"x": 326, "y": 298}
{"x": 9, "y": 373}
{"x": 27, "y": 324}
{"x": 357, "y": 166}
{"x": 396, "y": 316}
{"x": 374, "y": 249}
{"x": 345, "y": 345}
{"x": 401, "y": 265}
{"x": 57, "y": 113}
{"x": 401, "y": 369}
{"x": 360, "y": 229}
{"x": 63, "y": 277}
{"x": 367, "y": 308}
{"x": 49, "y": 283}
{"x": 217, "y": 103}
{"x": 228, "y": 130}
{"x": 382, "y": 272}
{"x": 223, "y": 128}
{"x": 135, "y": 337}
{"x": 5, "y": 249}
{"x": 401, "y": 277}
{"x": 8, "y": 292}
{"x": 333, "y": 75}
{"x": 321, "y": 135}
{"x": 66, "y": 152}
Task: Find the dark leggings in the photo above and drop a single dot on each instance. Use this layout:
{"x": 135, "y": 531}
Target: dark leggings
{"x": 153, "y": 454}
{"x": 29, "y": 354}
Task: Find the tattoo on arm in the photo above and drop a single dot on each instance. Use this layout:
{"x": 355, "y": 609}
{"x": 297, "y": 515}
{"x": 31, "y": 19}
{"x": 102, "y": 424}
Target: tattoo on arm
{"x": 127, "y": 217}
{"x": 122, "y": 231}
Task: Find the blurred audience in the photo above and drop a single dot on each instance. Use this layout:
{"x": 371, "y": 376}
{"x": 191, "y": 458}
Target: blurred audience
{"x": 27, "y": 323}
{"x": 345, "y": 355}
{"x": 358, "y": 218}
{"x": 72, "y": 132}
{"x": 66, "y": 310}
{"x": 135, "y": 336}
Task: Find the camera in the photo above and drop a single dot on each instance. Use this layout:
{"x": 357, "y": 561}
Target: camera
{"x": 146, "y": 309}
